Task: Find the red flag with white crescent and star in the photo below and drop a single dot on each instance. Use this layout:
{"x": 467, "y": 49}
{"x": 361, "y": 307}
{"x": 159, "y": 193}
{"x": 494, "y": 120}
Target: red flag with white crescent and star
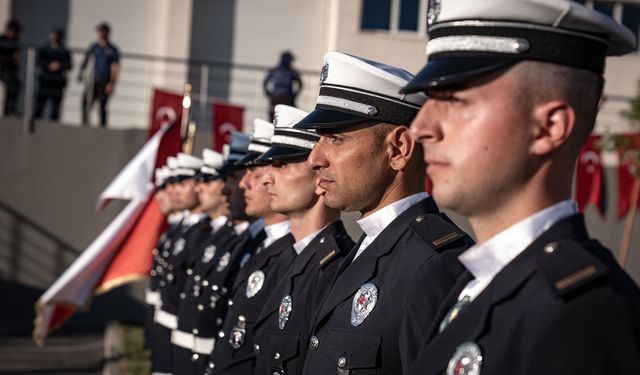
{"x": 589, "y": 175}
{"x": 227, "y": 118}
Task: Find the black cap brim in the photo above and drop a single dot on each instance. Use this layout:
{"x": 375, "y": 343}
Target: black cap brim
{"x": 247, "y": 160}
{"x": 322, "y": 118}
{"x": 456, "y": 70}
{"x": 281, "y": 153}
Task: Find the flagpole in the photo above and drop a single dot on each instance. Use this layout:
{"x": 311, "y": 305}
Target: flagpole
{"x": 628, "y": 227}
{"x": 186, "y": 113}
{"x": 187, "y": 147}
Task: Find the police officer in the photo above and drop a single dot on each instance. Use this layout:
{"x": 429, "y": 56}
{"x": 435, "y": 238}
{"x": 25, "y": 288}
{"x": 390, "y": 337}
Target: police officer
{"x": 193, "y": 230}
{"x": 233, "y": 353}
{"x": 513, "y": 93}
{"x": 282, "y": 328}
{"x": 406, "y": 260}
{"x": 54, "y": 60}
{"x": 166, "y": 199}
{"x": 194, "y": 337}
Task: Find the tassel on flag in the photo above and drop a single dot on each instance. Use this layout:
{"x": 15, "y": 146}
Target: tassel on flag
{"x": 589, "y": 175}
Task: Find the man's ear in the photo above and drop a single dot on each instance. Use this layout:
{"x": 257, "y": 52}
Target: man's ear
{"x": 553, "y": 124}
{"x": 402, "y": 146}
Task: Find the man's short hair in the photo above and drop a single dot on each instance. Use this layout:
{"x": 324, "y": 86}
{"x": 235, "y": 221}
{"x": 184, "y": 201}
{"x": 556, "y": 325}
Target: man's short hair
{"x": 581, "y": 89}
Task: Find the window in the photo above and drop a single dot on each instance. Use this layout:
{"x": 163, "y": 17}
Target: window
{"x": 376, "y": 15}
{"x": 394, "y": 15}
{"x": 409, "y": 15}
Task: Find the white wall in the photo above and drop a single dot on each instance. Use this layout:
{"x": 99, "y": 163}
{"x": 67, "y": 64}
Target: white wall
{"x": 148, "y": 27}
{"x": 263, "y": 29}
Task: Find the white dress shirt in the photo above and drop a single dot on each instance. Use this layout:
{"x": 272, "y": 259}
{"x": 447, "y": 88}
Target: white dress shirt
{"x": 194, "y": 218}
{"x": 218, "y": 223}
{"x": 275, "y": 232}
{"x": 375, "y": 223}
{"x": 486, "y": 260}
{"x": 303, "y": 243}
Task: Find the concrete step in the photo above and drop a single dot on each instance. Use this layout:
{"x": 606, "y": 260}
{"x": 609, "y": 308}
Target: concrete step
{"x": 81, "y": 354}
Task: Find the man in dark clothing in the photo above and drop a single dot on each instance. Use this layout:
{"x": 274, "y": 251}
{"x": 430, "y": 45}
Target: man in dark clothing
{"x": 54, "y": 61}
{"x": 105, "y": 71}
{"x": 282, "y": 83}
{"x": 9, "y": 59}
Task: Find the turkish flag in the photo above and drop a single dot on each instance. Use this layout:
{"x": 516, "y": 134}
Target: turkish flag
{"x": 166, "y": 109}
{"x": 589, "y": 175}
{"x": 626, "y": 175}
{"x": 122, "y": 252}
{"x": 227, "y": 118}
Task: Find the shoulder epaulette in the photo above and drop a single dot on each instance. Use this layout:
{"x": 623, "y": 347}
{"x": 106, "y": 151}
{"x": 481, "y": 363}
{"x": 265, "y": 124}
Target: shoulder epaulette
{"x": 568, "y": 266}
{"x": 329, "y": 251}
{"x": 436, "y": 231}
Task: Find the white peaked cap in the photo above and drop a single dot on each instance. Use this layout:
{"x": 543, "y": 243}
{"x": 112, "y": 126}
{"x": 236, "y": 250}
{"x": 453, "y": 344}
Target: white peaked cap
{"x": 355, "y": 90}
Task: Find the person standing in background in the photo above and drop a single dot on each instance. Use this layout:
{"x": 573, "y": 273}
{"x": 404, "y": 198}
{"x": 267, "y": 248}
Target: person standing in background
{"x": 282, "y": 84}
{"x": 9, "y": 60}
{"x": 105, "y": 72}
{"x": 54, "y": 61}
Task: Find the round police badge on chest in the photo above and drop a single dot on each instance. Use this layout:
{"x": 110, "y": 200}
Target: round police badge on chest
{"x": 224, "y": 261}
{"x": 255, "y": 283}
{"x": 286, "y": 305}
{"x": 467, "y": 360}
{"x": 209, "y": 252}
{"x": 363, "y": 303}
{"x": 178, "y": 246}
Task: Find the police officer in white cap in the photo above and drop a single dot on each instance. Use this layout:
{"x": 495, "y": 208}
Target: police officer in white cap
{"x": 282, "y": 329}
{"x": 233, "y": 352}
{"x": 194, "y": 337}
{"x": 194, "y": 229}
{"x": 160, "y": 253}
{"x": 513, "y": 92}
{"x": 407, "y": 258}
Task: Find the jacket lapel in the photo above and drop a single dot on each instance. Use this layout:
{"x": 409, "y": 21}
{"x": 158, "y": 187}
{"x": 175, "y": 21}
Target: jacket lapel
{"x": 258, "y": 261}
{"x": 299, "y": 265}
{"x": 472, "y": 321}
{"x": 359, "y": 271}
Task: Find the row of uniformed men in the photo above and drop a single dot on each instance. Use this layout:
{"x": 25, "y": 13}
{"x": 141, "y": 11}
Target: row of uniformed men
{"x": 513, "y": 88}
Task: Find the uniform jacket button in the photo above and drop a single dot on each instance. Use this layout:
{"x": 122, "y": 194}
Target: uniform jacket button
{"x": 314, "y": 343}
{"x": 257, "y": 349}
{"x": 342, "y": 362}
{"x": 276, "y": 357}
{"x": 551, "y": 247}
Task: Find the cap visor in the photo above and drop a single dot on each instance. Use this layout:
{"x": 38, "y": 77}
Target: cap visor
{"x": 455, "y": 70}
{"x": 322, "y": 118}
{"x": 281, "y": 152}
{"x": 246, "y": 160}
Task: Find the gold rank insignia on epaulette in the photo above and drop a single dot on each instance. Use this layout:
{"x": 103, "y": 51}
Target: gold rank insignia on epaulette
{"x": 328, "y": 257}
{"x": 575, "y": 278}
{"x": 447, "y": 238}
{"x": 568, "y": 266}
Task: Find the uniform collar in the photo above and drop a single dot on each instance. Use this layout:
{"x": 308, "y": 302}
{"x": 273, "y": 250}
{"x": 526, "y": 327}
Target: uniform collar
{"x": 218, "y": 222}
{"x": 375, "y": 223}
{"x": 276, "y": 231}
{"x": 175, "y": 218}
{"x": 486, "y": 260}
{"x": 194, "y": 218}
{"x": 303, "y": 243}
